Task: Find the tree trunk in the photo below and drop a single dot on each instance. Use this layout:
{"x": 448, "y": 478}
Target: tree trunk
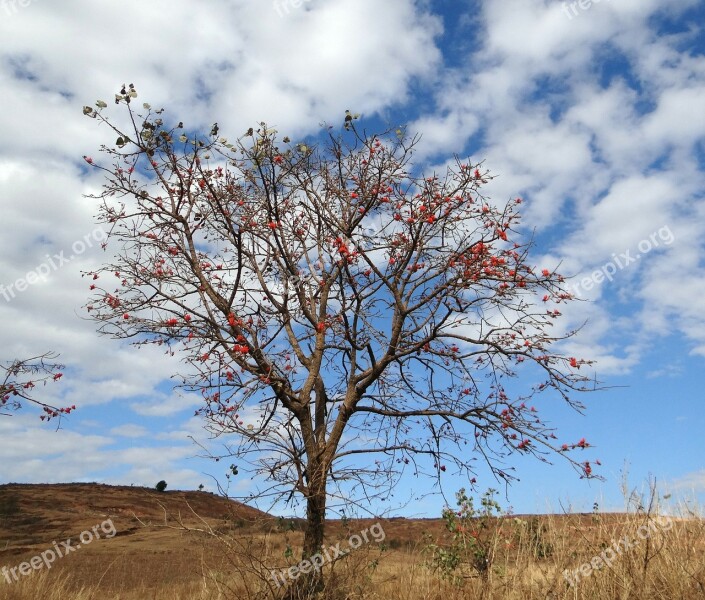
{"x": 307, "y": 585}
{"x": 315, "y": 520}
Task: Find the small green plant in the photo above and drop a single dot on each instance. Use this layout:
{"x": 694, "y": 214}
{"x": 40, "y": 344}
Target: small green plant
{"x": 474, "y": 534}
{"x": 161, "y": 486}
{"x": 595, "y": 512}
{"x": 540, "y": 546}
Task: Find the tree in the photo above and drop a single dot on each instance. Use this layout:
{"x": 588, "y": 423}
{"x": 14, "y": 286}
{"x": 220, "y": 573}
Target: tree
{"x": 349, "y": 305}
{"x": 22, "y": 376}
{"x": 161, "y": 486}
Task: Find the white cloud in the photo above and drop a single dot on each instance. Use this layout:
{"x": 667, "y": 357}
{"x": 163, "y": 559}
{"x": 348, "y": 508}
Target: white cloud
{"x": 130, "y": 430}
{"x": 164, "y": 405}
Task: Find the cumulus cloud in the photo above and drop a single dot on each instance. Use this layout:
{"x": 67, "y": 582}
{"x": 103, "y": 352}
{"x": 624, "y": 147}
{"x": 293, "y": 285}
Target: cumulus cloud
{"x": 593, "y": 118}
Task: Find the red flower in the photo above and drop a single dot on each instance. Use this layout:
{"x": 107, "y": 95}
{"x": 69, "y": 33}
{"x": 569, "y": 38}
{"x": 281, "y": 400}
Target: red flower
{"x": 88, "y": 159}
{"x": 187, "y": 318}
{"x": 321, "y": 327}
{"x": 126, "y": 316}
{"x": 278, "y": 159}
{"x": 172, "y": 322}
{"x": 545, "y": 272}
{"x": 58, "y": 376}
{"x": 272, "y": 225}
{"x": 574, "y": 363}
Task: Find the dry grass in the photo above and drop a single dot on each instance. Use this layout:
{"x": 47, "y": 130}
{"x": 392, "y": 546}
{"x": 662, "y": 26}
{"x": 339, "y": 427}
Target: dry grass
{"x": 230, "y": 557}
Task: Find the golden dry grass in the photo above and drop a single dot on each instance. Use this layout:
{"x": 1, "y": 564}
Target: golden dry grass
{"x": 227, "y": 552}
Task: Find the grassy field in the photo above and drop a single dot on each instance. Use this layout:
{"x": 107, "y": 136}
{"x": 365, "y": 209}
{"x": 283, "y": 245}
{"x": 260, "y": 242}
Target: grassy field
{"x": 140, "y": 544}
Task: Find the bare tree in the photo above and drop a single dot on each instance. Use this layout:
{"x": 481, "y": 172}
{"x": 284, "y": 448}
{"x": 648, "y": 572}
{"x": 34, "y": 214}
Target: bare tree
{"x": 22, "y": 376}
{"x": 331, "y": 304}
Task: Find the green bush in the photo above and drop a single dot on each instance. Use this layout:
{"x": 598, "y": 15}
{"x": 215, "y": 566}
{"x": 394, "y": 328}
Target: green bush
{"x": 474, "y": 531}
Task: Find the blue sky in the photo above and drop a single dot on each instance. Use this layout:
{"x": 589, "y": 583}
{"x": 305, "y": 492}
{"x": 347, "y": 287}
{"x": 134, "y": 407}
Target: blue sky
{"x": 592, "y": 112}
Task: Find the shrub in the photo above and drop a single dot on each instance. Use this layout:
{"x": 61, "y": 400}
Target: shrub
{"x": 474, "y": 532}
{"x": 161, "y": 486}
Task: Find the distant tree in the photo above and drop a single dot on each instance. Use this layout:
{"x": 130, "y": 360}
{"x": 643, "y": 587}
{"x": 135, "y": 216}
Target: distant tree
{"x": 161, "y": 486}
{"x": 350, "y": 305}
{"x": 20, "y": 377}
{"x": 200, "y": 487}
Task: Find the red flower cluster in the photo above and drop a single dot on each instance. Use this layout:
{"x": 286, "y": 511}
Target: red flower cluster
{"x": 581, "y": 444}
{"x": 524, "y": 444}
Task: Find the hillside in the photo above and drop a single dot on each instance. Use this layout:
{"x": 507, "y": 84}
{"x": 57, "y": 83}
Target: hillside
{"x": 140, "y": 543}
{"x": 32, "y": 514}
{"x": 139, "y": 528}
